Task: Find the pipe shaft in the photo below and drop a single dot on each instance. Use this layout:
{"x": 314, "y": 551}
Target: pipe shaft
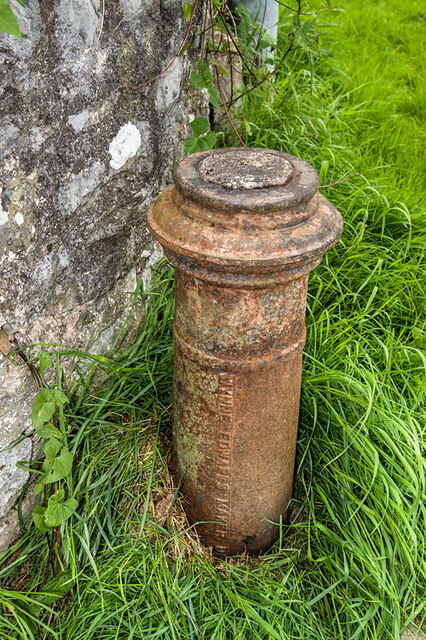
{"x": 244, "y": 228}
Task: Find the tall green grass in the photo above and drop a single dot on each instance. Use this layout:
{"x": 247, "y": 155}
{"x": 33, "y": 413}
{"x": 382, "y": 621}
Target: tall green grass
{"x": 352, "y": 564}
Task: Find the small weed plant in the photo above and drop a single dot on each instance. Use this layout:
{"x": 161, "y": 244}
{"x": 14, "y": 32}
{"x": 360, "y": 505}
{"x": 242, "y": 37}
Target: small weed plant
{"x": 250, "y": 58}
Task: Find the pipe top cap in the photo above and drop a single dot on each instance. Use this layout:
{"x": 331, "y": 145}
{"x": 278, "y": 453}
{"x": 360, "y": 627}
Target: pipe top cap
{"x": 246, "y": 169}
{"x": 246, "y": 215}
{"x": 248, "y": 180}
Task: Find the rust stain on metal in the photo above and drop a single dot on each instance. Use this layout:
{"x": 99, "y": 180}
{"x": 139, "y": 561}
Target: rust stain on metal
{"x": 244, "y": 227}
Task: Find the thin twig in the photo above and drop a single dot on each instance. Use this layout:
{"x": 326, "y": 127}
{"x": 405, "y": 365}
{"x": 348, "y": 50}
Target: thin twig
{"x": 269, "y": 75}
{"x": 231, "y": 17}
{"x": 265, "y": 77}
{"x": 203, "y": 34}
{"x": 261, "y": 26}
{"x": 33, "y": 370}
{"x": 235, "y": 44}
{"x": 352, "y": 175}
{"x": 175, "y": 57}
{"x": 286, "y": 6}
{"x": 48, "y": 625}
{"x": 222, "y": 98}
{"x": 102, "y": 20}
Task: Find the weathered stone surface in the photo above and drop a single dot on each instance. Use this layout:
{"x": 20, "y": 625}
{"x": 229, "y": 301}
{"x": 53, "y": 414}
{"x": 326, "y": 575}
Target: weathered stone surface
{"x": 11, "y": 524}
{"x": 81, "y": 160}
{"x": 16, "y": 391}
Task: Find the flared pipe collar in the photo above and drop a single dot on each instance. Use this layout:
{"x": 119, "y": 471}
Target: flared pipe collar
{"x": 245, "y": 211}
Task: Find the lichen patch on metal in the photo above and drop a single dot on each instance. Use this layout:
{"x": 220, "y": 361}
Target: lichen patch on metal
{"x": 243, "y": 169}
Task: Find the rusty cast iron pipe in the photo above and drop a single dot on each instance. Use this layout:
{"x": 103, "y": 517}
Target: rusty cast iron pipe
{"x": 243, "y": 227}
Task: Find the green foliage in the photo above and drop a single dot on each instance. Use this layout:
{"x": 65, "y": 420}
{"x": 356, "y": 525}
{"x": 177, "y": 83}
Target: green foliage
{"x": 202, "y": 138}
{"x": 25, "y": 610}
{"x": 44, "y": 405}
{"x": 202, "y": 78}
{"x": 44, "y": 361}
{"x": 39, "y": 519}
{"x": 56, "y": 467}
{"x": 266, "y": 40}
{"x": 58, "y": 460}
{"x": 238, "y": 35}
{"x": 306, "y": 34}
{"x": 57, "y": 511}
{"x": 56, "y": 588}
{"x": 419, "y": 338}
{"x": 187, "y": 10}
{"x": 49, "y": 431}
{"x": 246, "y": 26}
{"x": 8, "y": 22}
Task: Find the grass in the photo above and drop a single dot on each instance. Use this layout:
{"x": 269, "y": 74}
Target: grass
{"x": 352, "y": 565}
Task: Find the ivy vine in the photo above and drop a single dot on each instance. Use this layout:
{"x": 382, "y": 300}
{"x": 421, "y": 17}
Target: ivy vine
{"x": 228, "y": 33}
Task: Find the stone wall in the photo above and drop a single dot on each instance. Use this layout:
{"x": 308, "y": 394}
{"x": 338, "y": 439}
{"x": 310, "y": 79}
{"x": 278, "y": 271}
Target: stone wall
{"x": 81, "y": 160}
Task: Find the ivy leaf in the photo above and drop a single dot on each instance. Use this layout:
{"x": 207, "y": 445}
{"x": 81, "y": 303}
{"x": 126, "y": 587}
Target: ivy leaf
{"x": 57, "y": 468}
{"x": 209, "y": 140}
{"x": 187, "y": 10}
{"x": 43, "y": 406}
{"x": 190, "y": 145}
{"x": 45, "y": 361}
{"x": 49, "y": 431}
{"x": 45, "y": 403}
{"x": 51, "y": 448}
{"x": 58, "y": 511}
{"x": 21, "y": 2}
{"x": 306, "y": 35}
{"x": 60, "y": 397}
{"x": 214, "y": 98}
{"x": 197, "y": 80}
{"x": 71, "y": 503}
{"x": 267, "y": 40}
{"x": 57, "y": 496}
{"x": 202, "y": 138}
{"x": 194, "y": 144}
{"x": 38, "y": 489}
{"x": 39, "y": 518}
{"x": 57, "y": 587}
{"x": 199, "y": 126}
{"x": 202, "y": 77}
{"x": 8, "y": 22}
